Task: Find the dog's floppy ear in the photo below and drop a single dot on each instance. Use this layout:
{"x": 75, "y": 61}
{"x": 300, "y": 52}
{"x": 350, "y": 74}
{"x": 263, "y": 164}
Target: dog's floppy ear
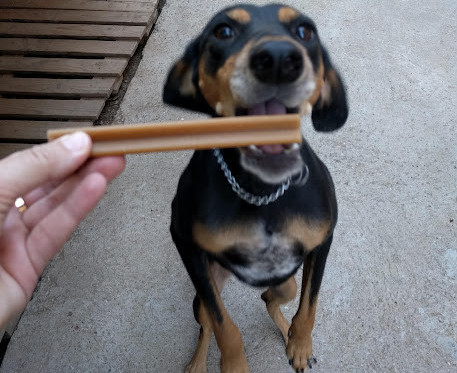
{"x": 331, "y": 109}
{"x": 181, "y": 87}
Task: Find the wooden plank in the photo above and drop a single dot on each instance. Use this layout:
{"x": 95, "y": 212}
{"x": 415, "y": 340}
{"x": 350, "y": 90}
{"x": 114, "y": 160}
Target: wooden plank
{"x": 66, "y": 66}
{"x": 76, "y": 31}
{"x": 76, "y": 16}
{"x": 20, "y": 130}
{"x": 95, "y": 87}
{"x": 127, "y": 6}
{"x": 117, "y": 85}
{"x": 151, "y": 24}
{"x": 91, "y": 48}
{"x": 128, "y": 1}
{"x": 7, "y": 149}
{"x": 46, "y": 108}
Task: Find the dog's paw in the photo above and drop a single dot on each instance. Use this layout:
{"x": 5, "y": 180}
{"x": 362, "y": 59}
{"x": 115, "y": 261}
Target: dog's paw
{"x": 196, "y": 367}
{"x": 299, "y": 351}
{"x": 310, "y": 363}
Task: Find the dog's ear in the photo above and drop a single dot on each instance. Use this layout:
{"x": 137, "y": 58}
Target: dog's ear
{"x": 331, "y": 109}
{"x": 181, "y": 87}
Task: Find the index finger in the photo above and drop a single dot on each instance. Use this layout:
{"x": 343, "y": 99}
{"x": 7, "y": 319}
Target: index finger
{"x": 110, "y": 167}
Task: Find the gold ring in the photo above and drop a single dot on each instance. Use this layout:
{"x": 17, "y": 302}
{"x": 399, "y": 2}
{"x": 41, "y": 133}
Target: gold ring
{"x": 20, "y": 204}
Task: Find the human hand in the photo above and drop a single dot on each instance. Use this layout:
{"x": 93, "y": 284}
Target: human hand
{"x": 59, "y": 189}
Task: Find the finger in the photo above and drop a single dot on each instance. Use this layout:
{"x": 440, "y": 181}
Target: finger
{"x": 14, "y": 264}
{"x": 38, "y": 193}
{"x": 12, "y": 246}
{"x": 110, "y": 167}
{"x": 47, "y": 237}
{"x": 23, "y": 171}
{"x": 14, "y": 298}
{"x": 49, "y": 201}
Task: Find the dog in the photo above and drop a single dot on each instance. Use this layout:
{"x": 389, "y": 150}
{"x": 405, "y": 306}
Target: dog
{"x": 259, "y": 212}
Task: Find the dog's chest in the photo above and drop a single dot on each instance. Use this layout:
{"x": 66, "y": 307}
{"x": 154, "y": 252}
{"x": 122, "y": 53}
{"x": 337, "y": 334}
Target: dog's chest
{"x": 258, "y": 254}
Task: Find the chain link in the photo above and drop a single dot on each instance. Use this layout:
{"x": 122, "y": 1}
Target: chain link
{"x": 251, "y": 198}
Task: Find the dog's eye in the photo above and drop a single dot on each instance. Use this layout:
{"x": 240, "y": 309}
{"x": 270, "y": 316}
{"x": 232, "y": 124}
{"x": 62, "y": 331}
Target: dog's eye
{"x": 223, "y": 32}
{"x": 305, "y": 32}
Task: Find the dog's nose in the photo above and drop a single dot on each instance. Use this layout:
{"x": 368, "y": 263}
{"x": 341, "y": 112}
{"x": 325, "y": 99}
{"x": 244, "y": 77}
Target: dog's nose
{"x": 276, "y": 62}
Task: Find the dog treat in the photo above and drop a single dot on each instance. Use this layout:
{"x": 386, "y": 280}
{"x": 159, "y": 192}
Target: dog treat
{"x": 196, "y": 134}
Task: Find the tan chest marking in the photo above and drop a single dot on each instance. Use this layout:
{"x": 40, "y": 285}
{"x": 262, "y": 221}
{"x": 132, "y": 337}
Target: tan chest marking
{"x": 309, "y": 233}
{"x": 253, "y": 236}
{"x": 239, "y": 235}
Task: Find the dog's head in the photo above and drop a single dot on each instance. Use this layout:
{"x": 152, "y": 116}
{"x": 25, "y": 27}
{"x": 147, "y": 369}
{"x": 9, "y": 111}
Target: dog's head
{"x": 260, "y": 60}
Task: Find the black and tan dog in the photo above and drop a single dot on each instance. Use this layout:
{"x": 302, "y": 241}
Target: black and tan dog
{"x": 258, "y": 212}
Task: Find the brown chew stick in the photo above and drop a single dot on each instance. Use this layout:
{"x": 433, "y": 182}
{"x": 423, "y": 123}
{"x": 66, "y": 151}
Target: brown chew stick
{"x": 197, "y": 134}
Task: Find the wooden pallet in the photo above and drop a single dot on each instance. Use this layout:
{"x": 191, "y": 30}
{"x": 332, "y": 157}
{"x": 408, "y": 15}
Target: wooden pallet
{"x": 60, "y": 60}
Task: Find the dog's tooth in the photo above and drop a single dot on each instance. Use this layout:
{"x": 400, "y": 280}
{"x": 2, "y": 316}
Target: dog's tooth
{"x": 219, "y": 108}
{"x": 254, "y": 148}
{"x": 293, "y": 147}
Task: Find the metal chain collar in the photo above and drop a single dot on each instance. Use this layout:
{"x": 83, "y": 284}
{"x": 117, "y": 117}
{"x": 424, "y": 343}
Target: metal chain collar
{"x": 251, "y": 198}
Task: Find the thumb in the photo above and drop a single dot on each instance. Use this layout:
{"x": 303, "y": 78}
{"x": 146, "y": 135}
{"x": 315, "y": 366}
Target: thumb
{"x": 23, "y": 171}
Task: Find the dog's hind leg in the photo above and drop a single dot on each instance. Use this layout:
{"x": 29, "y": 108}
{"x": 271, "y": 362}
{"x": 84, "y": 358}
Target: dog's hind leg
{"x": 274, "y": 297}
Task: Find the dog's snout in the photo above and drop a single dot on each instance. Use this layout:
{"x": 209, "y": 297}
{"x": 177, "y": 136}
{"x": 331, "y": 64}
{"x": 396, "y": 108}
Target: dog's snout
{"x": 276, "y": 62}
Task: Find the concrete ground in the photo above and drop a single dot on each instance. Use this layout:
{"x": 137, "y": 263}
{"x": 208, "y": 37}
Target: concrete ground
{"x": 117, "y": 298}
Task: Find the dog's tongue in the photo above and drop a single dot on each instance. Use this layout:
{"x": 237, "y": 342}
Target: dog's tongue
{"x": 271, "y": 107}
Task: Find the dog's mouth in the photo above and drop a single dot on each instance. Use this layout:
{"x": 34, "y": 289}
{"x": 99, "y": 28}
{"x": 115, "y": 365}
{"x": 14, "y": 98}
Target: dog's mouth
{"x": 276, "y": 162}
{"x": 270, "y": 107}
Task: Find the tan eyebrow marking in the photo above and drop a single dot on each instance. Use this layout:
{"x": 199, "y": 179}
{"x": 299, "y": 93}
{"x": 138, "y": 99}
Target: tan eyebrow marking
{"x": 287, "y": 14}
{"x": 240, "y": 15}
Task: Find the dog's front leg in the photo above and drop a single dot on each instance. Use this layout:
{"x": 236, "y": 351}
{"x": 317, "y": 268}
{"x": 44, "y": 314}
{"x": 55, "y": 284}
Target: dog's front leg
{"x": 299, "y": 347}
{"x": 274, "y": 297}
{"x": 212, "y": 315}
{"x": 198, "y": 362}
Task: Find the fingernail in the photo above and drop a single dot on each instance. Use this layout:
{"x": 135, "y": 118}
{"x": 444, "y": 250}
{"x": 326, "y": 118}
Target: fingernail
{"x": 76, "y": 142}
